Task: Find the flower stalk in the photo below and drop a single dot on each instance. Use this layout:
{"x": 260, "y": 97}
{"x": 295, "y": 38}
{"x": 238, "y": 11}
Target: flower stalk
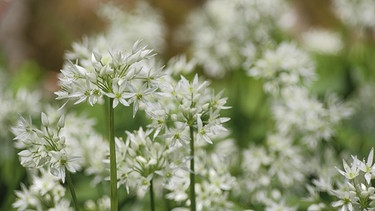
{"x": 192, "y": 171}
{"x": 152, "y": 198}
{"x": 71, "y": 189}
{"x": 112, "y": 155}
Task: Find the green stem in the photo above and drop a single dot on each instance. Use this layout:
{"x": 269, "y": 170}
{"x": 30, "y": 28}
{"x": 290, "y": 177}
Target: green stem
{"x": 112, "y": 157}
{"x": 71, "y": 188}
{"x": 192, "y": 171}
{"x": 152, "y": 200}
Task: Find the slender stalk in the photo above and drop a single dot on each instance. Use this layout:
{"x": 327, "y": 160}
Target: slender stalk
{"x": 152, "y": 200}
{"x": 71, "y": 188}
{"x": 192, "y": 171}
{"x": 112, "y": 157}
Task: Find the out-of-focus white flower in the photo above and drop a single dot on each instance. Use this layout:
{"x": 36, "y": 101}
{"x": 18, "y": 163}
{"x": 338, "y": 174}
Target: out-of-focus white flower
{"x": 285, "y": 66}
{"x": 299, "y": 113}
{"x": 355, "y": 13}
{"x": 126, "y": 26}
{"x": 226, "y": 33}
{"x": 44, "y": 193}
{"x": 322, "y": 41}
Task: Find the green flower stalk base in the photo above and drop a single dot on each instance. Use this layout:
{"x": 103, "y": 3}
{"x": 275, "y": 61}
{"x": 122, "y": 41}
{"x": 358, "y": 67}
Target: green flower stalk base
{"x": 112, "y": 159}
{"x": 71, "y": 188}
{"x": 192, "y": 171}
{"x": 152, "y": 198}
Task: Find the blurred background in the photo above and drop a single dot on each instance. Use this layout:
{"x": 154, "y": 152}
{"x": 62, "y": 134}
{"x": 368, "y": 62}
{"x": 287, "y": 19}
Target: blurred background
{"x": 35, "y": 35}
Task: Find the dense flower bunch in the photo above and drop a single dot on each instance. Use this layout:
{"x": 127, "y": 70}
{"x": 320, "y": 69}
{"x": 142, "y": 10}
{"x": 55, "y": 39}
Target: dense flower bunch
{"x": 44, "y": 193}
{"x": 188, "y": 104}
{"x": 357, "y": 192}
{"x": 353, "y": 188}
{"x": 322, "y": 41}
{"x": 140, "y": 159}
{"x": 214, "y": 188}
{"x": 301, "y": 122}
{"x": 124, "y": 28}
{"x": 45, "y": 146}
{"x": 226, "y": 33}
{"x": 283, "y": 67}
{"x": 356, "y": 13}
{"x": 121, "y": 76}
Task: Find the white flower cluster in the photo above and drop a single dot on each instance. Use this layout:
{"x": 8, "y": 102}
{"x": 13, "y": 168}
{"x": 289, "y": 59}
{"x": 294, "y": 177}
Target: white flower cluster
{"x": 181, "y": 112}
{"x": 124, "y": 77}
{"x": 125, "y": 27}
{"x": 139, "y": 159}
{"x": 322, "y": 41}
{"x": 301, "y": 122}
{"x": 185, "y": 105}
{"x": 357, "y": 191}
{"x": 278, "y": 162}
{"x": 287, "y": 71}
{"x": 354, "y": 189}
{"x": 44, "y": 147}
{"x": 357, "y": 14}
{"x": 44, "y": 193}
{"x": 301, "y": 115}
{"x": 226, "y": 33}
{"x": 285, "y": 66}
{"x": 213, "y": 191}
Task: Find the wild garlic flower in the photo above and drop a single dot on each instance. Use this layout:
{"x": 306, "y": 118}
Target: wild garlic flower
{"x": 124, "y": 77}
{"x": 226, "y": 33}
{"x": 140, "y": 159}
{"x": 103, "y": 203}
{"x": 44, "y": 146}
{"x": 44, "y": 193}
{"x": 125, "y": 26}
{"x": 300, "y": 114}
{"x": 358, "y": 14}
{"x": 283, "y": 67}
{"x": 213, "y": 187}
{"x": 188, "y": 104}
{"x": 357, "y": 192}
{"x": 322, "y": 41}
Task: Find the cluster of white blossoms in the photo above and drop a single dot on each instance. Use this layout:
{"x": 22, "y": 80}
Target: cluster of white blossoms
{"x": 123, "y": 76}
{"x": 11, "y": 105}
{"x": 183, "y": 105}
{"x": 300, "y": 114}
{"x": 287, "y": 71}
{"x": 44, "y": 146}
{"x": 357, "y": 14}
{"x": 276, "y": 167}
{"x": 322, "y": 41}
{"x": 301, "y": 122}
{"x": 354, "y": 190}
{"x": 214, "y": 187}
{"x": 139, "y": 160}
{"x": 124, "y": 28}
{"x": 226, "y": 33}
{"x": 44, "y": 193}
{"x": 285, "y": 66}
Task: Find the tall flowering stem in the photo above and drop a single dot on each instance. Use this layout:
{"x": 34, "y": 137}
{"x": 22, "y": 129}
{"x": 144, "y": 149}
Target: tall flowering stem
{"x": 71, "y": 189}
{"x": 152, "y": 198}
{"x": 192, "y": 171}
{"x": 112, "y": 155}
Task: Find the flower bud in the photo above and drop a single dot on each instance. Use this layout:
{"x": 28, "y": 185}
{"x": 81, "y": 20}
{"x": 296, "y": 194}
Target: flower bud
{"x": 61, "y": 122}
{"x": 45, "y": 121}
